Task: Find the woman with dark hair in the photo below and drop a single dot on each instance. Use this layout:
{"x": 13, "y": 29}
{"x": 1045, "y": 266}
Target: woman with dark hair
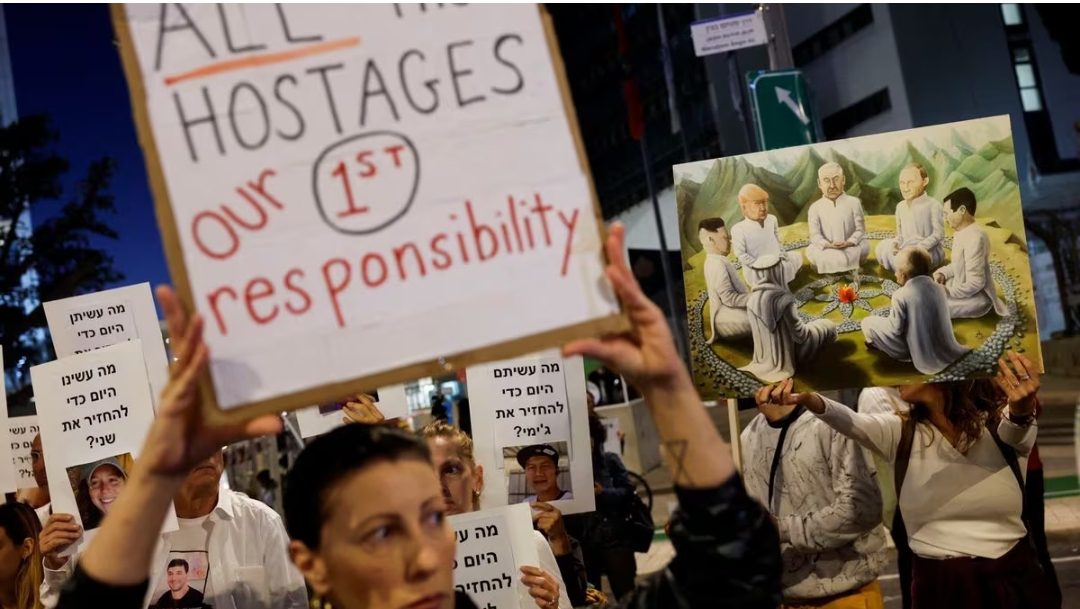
{"x": 370, "y": 521}
{"x": 958, "y": 456}
{"x": 21, "y": 572}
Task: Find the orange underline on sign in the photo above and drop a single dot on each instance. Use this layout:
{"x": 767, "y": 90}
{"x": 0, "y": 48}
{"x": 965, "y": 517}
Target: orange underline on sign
{"x": 262, "y": 60}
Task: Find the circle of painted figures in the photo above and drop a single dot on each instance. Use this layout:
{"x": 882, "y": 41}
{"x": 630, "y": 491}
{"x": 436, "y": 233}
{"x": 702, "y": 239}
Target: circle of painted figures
{"x": 981, "y": 359}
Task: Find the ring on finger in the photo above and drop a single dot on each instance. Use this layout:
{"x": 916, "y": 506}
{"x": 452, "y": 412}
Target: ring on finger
{"x": 1024, "y": 377}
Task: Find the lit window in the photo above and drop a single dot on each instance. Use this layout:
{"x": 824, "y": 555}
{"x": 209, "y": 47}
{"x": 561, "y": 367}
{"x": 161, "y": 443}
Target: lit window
{"x": 1025, "y": 76}
{"x": 1031, "y": 100}
{"x": 1012, "y": 14}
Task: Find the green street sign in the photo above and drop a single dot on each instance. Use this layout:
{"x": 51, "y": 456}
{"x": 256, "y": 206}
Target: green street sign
{"x": 784, "y": 112}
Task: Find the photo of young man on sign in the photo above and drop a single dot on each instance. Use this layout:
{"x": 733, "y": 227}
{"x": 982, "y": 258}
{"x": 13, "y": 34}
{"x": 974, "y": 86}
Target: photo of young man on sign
{"x": 545, "y": 470}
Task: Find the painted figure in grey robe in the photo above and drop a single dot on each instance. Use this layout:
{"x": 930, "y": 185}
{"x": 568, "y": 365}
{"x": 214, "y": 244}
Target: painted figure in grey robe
{"x": 838, "y": 240}
{"x": 920, "y": 221}
{"x": 918, "y": 328}
{"x": 759, "y": 235}
{"x": 782, "y": 341}
{"x": 968, "y": 281}
{"x": 727, "y": 292}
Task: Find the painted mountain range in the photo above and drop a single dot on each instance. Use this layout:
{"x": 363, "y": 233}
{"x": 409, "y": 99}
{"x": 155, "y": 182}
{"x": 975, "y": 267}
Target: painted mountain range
{"x": 989, "y": 171}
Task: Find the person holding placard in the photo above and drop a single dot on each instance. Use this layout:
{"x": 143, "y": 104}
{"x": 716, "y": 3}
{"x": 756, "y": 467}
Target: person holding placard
{"x": 362, "y": 490}
{"x": 462, "y": 481}
{"x": 243, "y": 557}
{"x": 958, "y": 457}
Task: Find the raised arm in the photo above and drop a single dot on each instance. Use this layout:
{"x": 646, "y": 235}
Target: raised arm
{"x": 1018, "y": 379}
{"x": 879, "y": 433}
{"x": 726, "y": 547}
{"x": 854, "y": 512}
{"x": 114, "y": 570}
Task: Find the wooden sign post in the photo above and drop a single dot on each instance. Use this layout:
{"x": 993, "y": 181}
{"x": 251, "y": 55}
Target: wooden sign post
{"x": 358, "y": 195}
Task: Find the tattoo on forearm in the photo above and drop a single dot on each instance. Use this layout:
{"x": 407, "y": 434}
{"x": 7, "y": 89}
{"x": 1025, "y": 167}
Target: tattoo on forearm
{"x": 677, "y": 450}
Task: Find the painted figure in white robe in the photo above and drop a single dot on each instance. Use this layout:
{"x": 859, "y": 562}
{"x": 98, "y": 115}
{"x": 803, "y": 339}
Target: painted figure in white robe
{"x": 968, "y": 281}
{"x": 838, "y": 240}
{"x": 920, "y": 221}
{"x": 782, "y": 341}
{"x": 727, "y": 293}
{"x": 759, "y": 235}
{"x": 918, "y": 328}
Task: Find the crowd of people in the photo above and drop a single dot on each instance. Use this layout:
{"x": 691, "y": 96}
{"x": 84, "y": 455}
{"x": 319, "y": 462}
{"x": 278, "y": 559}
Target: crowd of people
{"x": 366, "y": 504}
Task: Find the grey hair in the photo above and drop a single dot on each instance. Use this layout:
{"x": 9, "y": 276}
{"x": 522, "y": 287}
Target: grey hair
{"x": 830, "y": 165}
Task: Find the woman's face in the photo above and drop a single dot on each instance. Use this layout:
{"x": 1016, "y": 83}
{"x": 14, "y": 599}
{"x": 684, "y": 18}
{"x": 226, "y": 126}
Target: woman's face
{"x": 11, "y": 557}
{"x": 385, "y": 541}
{"x": 920, "y": 393}
{"x": 461, "y": 480}
{"x": 105, "y": 485}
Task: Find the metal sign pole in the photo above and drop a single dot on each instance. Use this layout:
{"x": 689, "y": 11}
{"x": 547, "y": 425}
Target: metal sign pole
{"x": 780, "y": 57}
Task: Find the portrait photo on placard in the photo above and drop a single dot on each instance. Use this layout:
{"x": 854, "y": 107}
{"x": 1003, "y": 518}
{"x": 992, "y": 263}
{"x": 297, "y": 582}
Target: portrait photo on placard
{"x": 97, "y": 485}
{"x": 183, "y": 583}
{"x": 538, "y": 472}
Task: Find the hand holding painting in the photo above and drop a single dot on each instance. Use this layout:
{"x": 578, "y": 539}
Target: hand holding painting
{"x": 60, "y": 531}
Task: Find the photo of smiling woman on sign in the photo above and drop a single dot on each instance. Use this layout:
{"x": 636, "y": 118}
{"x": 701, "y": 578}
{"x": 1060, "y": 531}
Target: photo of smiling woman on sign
{"x": 97, "y": 485}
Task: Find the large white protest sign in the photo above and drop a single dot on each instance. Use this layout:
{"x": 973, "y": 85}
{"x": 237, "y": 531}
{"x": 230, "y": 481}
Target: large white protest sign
{"x": 22, "y": 431}
{"x": 94, "y": 410}
{"x": 317, "y": 420}
{"x": 92, "y": 321}
{"x": 500, "y": 448}
{"x": 359, "y": 195}
{"x": 8, "y": 477}
{"x": 492, "y": 546}
{"x": 534, "y": 409}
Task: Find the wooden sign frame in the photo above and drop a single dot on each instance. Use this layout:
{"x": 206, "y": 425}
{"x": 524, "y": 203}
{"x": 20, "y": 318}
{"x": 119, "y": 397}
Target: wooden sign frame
{"x": 611, "y": 324}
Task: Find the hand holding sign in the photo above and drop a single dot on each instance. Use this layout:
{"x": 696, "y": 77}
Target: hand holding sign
{"x": 362, "y": 409}
{"x": 60, "y": 531}
{"x": 646, "y": 356}
{"x": 542, "y": 587}
{"x": 549, "y": 520}
{"x": 179, "y": 437}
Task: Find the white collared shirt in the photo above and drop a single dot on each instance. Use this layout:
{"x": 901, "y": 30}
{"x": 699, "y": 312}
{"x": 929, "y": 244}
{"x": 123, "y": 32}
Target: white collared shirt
{"x": 248, "y": 554}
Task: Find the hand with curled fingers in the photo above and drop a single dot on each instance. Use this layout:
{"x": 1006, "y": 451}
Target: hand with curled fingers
{"x": 180, "y": 436}
{"x": 362, "y": 409}
{"x": 59, "y": 533}
{"x": 542, "y": 587}
{"x": 783, "y": 394}
{"x": 1018, "y": 379}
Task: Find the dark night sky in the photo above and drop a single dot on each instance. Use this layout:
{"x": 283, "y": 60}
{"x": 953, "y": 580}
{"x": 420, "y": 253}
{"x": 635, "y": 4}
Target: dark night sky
{"x": 65, "y": 65}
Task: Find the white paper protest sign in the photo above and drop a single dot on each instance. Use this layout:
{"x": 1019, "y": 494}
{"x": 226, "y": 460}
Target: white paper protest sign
{"x": 730, "y": 33}
{"x": 317, "y": 420}
{"x": 94, "y": 410}
{"x": 22, "y": 431}
{"x": 534, "y": 408}
{"x": 492, "y": 546}
{"x": 8, "y": 475}
{"x": 499, "y": 446}
{"x": 92, "y": 321}
{"x": 328, "y": 176}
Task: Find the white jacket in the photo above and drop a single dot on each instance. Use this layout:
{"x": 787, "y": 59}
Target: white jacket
{"x": 248, "y": 555}
{"x": 826, "y": 501}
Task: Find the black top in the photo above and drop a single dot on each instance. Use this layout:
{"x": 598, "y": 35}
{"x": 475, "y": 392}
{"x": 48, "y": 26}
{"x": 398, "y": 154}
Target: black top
{"x": 192, "y": 599}
{"x": 727, "y": 554}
